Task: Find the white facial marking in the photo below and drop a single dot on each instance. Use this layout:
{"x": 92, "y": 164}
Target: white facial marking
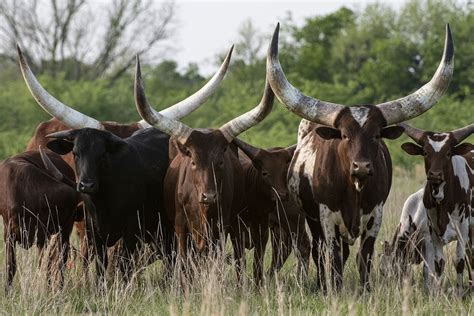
{"x": 460, "y": 169}
{"x": 438, "y": 144}
{"x": 360, "y": 114}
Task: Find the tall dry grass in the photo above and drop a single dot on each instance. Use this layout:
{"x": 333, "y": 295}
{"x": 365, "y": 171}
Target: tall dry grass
{"x": 213, "y": 289}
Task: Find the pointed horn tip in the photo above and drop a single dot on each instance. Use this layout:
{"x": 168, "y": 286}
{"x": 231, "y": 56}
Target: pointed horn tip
{"x": 449, "y": 45}
{"x": 273, "y": 49}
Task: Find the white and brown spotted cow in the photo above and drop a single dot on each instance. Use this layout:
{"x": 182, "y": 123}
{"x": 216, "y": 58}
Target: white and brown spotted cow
{"x": 341, "y": 172}
{"x": 441, "y": 211}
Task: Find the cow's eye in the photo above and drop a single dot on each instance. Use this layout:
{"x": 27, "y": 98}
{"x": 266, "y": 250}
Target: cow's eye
{"x": 425, "y": 153}
{"x": 377, "y": 136}
{"x": 264, "y": 174}
{"x": 449, "y": 153}
{"x": 193, "y": 163}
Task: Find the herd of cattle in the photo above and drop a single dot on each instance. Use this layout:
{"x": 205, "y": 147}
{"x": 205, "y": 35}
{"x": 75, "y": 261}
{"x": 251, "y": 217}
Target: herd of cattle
{"x": 183, "y": 191}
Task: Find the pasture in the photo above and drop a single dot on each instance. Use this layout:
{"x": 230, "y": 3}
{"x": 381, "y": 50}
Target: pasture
{"x": 214, "y": 290}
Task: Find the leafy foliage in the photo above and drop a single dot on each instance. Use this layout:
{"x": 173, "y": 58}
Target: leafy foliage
{"x": 348, "y": 57}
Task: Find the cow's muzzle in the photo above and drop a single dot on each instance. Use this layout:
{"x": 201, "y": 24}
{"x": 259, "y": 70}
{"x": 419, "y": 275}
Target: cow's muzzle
{"x": 360, "y": 171}
{"x": 435, "y": 177}
{"x": 208, "y": 198}
{"x": 87, "y": 186}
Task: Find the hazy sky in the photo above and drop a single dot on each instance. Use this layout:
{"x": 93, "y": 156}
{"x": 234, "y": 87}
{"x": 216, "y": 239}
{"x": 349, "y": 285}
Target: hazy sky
{"x": 206, "y": 28}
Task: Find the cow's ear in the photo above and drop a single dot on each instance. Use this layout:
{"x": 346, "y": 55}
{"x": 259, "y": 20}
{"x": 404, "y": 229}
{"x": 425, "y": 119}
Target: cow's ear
{"x": 463, "y": 149}
{"x": 328, "y": 132}
{"x": 183, "y": 149}
{"x": 60, "y": 146}
{"x": 412, "y": 149}
{"x": 392, "y": 132}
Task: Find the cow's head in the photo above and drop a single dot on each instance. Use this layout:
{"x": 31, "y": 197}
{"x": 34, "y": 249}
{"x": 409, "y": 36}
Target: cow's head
{"x": 359, "y": 131}
{"x": 359, "y": 128}
{"x": 437, "y": 150}
{"x": 92, "y": 150}
{"x": 272, "y": 166}
{"x": 208, "y": 150}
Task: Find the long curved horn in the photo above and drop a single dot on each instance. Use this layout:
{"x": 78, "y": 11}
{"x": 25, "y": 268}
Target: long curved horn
{"x": 413, "y": 132}
{"x": 191, "y": 103}
{"x": 53, "y": 170}
{"x": 70, "y": 117}
{"x": 248, "y": 149}
{"x": 424, "y": 98}
{"x": 251, "y": 118}
{"x": 462, "y": 133}
{"x": 309, "y": 108}
{"x": 165, "y": 124}
{"x": 49, "y": 165}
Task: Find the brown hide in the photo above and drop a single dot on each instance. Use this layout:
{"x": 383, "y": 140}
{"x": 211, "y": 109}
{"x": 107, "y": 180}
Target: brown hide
{"x": 34, "y": 205}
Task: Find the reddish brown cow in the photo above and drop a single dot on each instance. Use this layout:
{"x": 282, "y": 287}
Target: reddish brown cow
{"x": 65, "y": 118}
{"x": 204, "y": 183}
{"x": 440, "y": 212}
{"x": 341, "y": 172}
{"x": 269, "y": 208}
{"x": 36, "y": 202}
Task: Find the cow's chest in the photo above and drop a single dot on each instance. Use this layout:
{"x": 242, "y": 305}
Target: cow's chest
{"x": 447, "y": 228}
{"x": 350, "y": 228}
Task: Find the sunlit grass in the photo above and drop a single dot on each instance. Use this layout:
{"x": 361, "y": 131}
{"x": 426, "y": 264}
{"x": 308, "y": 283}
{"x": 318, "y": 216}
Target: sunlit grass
{"x": 214, "y": 289}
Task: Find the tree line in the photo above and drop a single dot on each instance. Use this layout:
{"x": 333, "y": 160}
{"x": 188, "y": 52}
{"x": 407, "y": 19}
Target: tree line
{"x": 349, "y": 56}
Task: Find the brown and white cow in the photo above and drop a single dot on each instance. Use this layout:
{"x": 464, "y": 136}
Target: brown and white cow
{"x": 37, "y": 200}
{"x": 204, "y": 182}
{"x": 269, "y": 208}
{"x": 341, "y": 172}
{"x": 65, "y": 118}
{"x": 441, "y": 211}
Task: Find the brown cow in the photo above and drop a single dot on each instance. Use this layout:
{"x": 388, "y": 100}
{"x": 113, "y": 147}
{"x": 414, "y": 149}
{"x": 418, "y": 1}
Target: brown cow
{"x": 440, "y": 212}
{"x": 65, "y": 118}
{"x": 204, "y": 183}
{"x": 341, "y": 172}
{"x": 36, "y": 202}
{"x": 269, "y": 208}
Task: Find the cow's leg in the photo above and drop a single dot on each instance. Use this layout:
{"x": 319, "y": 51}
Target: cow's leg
{"x": 461, "y": 255}
{"x": 10, "y": 258}
{"x": 303, "y": 245}
{"x": 281, "y": 248}
{"x": 259, "y": 254}
{"x": 366, "y": 251}
{"x": 238, "y": 244}
{"x": 338, "y": 258}
{"x": 470, "y": 255}
{"x": 318, "y": 251}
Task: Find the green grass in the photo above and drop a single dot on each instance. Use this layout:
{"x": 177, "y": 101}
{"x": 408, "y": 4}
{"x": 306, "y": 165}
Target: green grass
{"x": 214, "y": 290}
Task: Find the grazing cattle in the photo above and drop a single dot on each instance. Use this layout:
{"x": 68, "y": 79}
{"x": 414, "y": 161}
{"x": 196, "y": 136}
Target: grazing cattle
{"x": 440, "y": 212}
{"x": 204, "y": 183}
{"x": 36, "y": 202}
{"x": 269, "y": 208}
{"x": 65, "y": 118}
{"x": 341, "y": 172}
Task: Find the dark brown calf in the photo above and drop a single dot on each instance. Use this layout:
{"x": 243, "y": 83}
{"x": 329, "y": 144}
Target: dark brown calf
{"x": 36, "y": 202}
{"x": 269, "y": 208}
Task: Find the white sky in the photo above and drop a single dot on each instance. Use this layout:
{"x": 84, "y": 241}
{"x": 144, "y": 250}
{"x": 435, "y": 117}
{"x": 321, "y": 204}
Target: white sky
{"x": 206, "y": 28}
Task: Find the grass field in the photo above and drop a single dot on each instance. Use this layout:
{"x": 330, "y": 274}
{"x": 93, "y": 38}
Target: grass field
{"x": 214, "y": 289}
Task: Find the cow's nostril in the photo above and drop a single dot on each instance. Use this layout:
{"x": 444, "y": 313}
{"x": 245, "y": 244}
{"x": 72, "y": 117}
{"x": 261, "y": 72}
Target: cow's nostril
{"x": 355, "y": 165}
